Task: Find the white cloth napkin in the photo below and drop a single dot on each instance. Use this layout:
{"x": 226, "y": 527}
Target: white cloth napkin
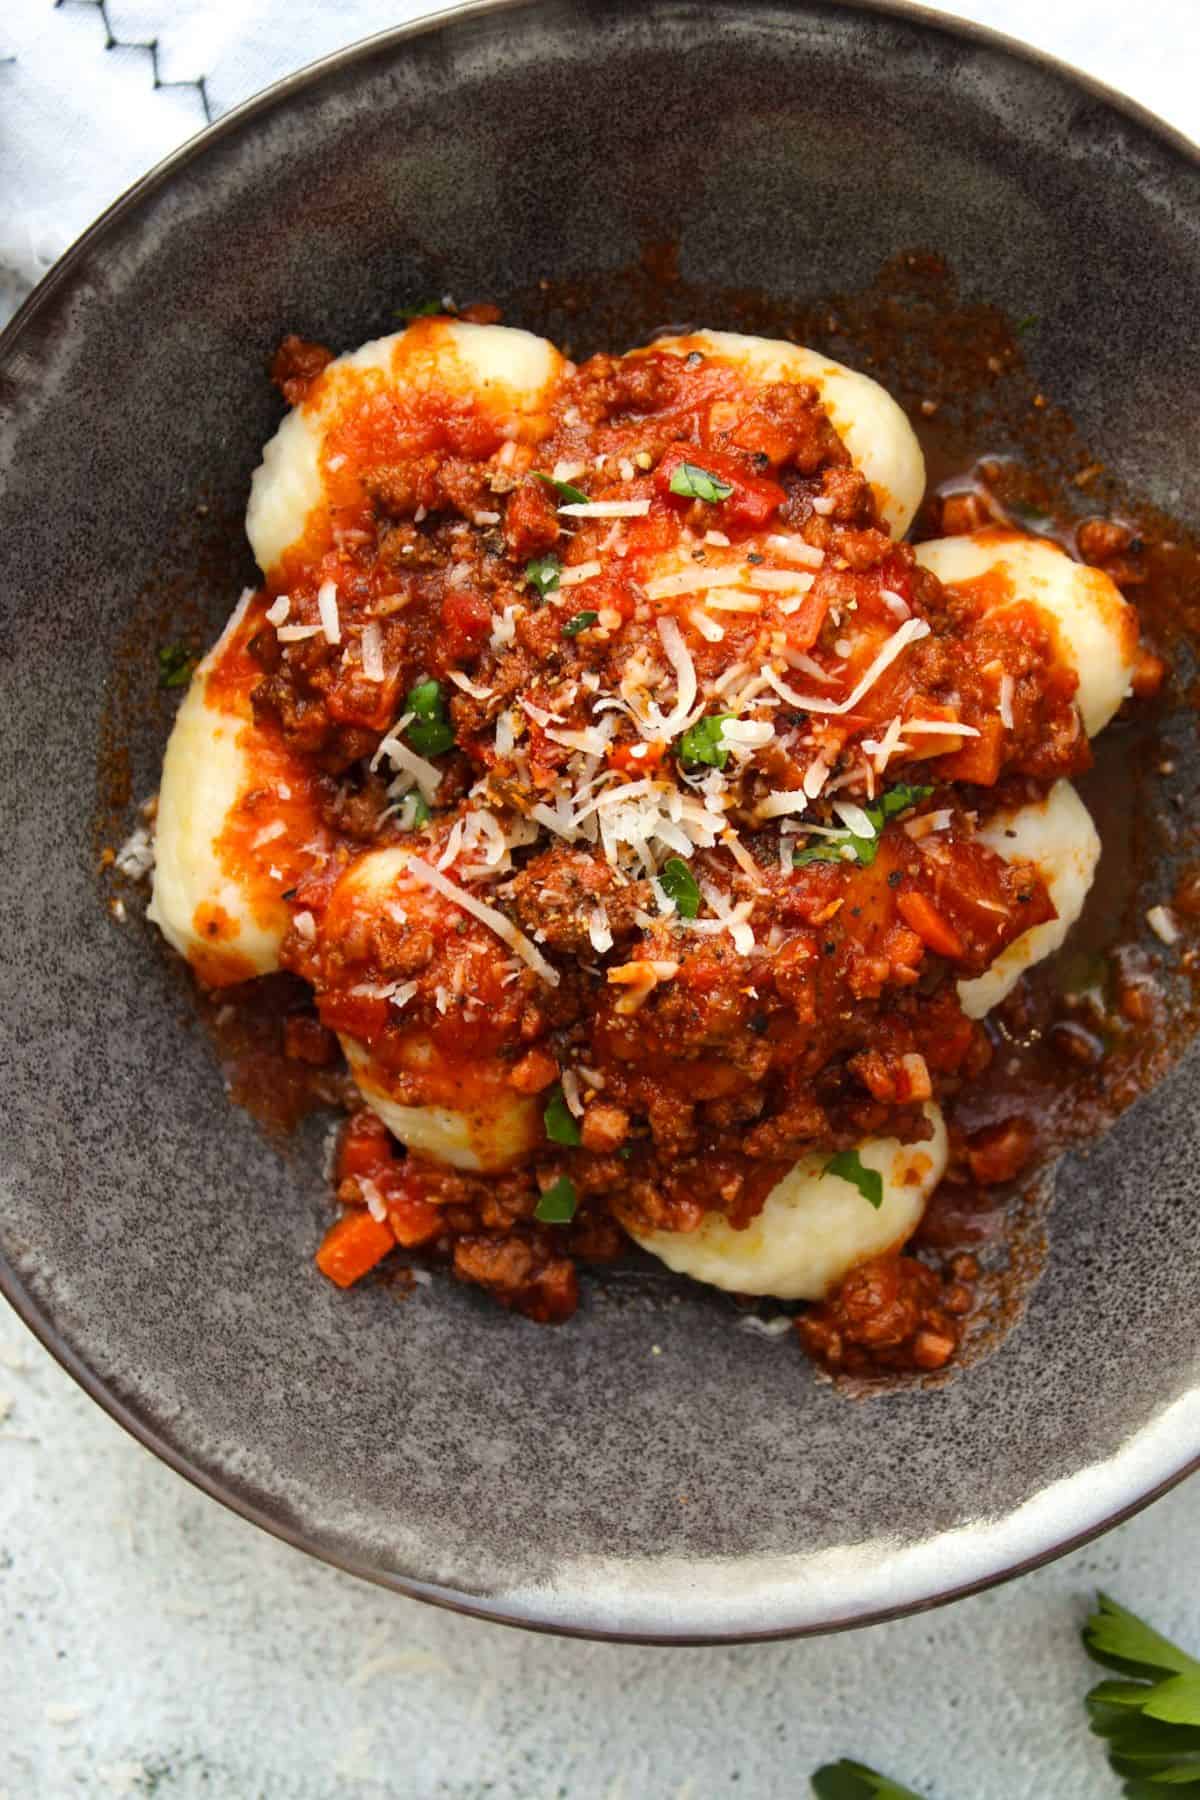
{"x": 81, "y": 117}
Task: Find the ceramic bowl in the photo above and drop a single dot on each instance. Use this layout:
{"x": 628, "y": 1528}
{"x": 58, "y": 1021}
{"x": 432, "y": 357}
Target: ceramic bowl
{"x": 651, "y": 1470}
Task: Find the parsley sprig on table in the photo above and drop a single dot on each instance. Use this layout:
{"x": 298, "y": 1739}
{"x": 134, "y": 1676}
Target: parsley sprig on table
{"x": 847, "y": 1780}
{"x": 1149, "y": 1717}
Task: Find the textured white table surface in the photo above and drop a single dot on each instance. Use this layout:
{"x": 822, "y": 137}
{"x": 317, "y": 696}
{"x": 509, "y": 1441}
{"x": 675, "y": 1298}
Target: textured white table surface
{"x": 151, "y": 1643}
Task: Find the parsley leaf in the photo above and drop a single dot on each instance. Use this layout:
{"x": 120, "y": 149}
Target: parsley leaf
{"x": 580, "y": 622}
{"x": 430, "y": 732}
{"x": 829, "y": 850}
{"x": 847, "y": 1780}
{"x": 702, "y": 742}
{"x": 558, "y": 1202}
{"x": 1151, "y": 1717}
{"x": 695, "y": 483}
{"x": 848, "y": 1165}
{"x": 560, "y": 1126}
{"x": 175, "y": 665}
{"x": 1026, "y": 324}
{"x": 427, "y": 309}
{"x": 572, "y": 496}
{"x": 1030, "y": 518}
{"x": 414, "y": 812}
{"x": 679, "y": 884}
{"x": 864, "y": 850}
{"x": 543, "y": 573}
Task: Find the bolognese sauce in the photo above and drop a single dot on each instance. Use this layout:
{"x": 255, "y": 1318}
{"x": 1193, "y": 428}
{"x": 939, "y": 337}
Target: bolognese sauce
{"x": 642, "y": 812}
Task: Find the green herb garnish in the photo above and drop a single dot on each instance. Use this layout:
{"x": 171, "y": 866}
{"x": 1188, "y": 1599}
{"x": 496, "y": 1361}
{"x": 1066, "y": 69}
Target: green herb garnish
{"x": 414, "y": 812}
{"x": 1030, "y": 518}
{"x": 679, "y": 884}
{"x": 573, "y": 496}
{"x": 430, "y": 731}
{"x": 846, "y": 1780}
{"x": 580, "y": 622}
{"x": 703, "y": 742}
{"x": 848, "y": 1165}
{"x": 864, "y": 850}
{"x": 558, "y": 1202}
{"x": 560, "y": 1126}
{"x": 695, "y": 483}
{"x": 428, "y": 309}
{"x": 1026, "y": 324}
{"x": 175, "y": 665}
{"x": 543, "y": 573}
{"x": 1150, "y": 1718}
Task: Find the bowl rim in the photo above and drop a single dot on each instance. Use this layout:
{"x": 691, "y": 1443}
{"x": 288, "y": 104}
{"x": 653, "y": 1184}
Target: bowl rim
{"x": 516, "y": 1610}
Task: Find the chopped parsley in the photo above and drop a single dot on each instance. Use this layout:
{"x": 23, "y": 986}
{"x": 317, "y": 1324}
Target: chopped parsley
{"x": 560, "y": 1126}
{"x": 864, "y": 850}
{"x": 430, "y": 731}
{"x": 848, "y": 1165}
{"x": 1026, "y": 324}
{"x": 580, "y": 622}
{"x": 175, "y": 665}
{"x": 558, "y": 1202}
{"x": 695, "y": 483}
{"x": 571, "y": 496}
{"x": 427, "y": 309}
{"x": 543, "y": 573}
{"x": 414, "y": 812}
{"x": 679, "y": 884}
{"x": 847, "y": 1780}
{"x": 1030, "y": 518}
{"x": 703, "y": 742}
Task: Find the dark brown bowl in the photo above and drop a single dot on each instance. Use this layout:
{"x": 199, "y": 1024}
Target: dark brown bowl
{"x": 650, "y": 1471}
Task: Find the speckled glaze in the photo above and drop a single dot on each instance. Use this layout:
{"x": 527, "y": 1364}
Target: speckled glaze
{"x": 650, "y": 1470}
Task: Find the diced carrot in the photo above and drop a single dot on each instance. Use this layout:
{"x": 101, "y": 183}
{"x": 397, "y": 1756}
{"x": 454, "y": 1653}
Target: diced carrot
{"x": 981, "y": 759}
{"x": 363, "y": 1145}
{"x": 352, "y": 1246}
{"x": 413, "y": 1221}
{"x": 932, "y": 929}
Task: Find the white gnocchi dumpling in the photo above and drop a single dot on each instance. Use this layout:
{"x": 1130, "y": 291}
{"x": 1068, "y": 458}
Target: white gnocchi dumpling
{"x": 874, "y": 429}
{"x": 1095, "y": 629}
{"x": 813, "y": 1227}
{"x": 1058, "y": 837}
{"x": 469, "y": 1115}
{"x": 237, "y": 822}
{"x": 508, "y": 376}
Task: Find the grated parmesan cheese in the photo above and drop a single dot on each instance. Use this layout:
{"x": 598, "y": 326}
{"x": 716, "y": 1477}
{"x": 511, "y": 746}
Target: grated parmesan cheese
{"x": 327, "y": 606}
{"x": 1163, "y": 924}
{"x": 371, "y": 651}
{"x": 504, "y": 928}
{"x": 1007, "y": 686}
{"x": 606, "y": 509}
{"x": 908, "y": 633}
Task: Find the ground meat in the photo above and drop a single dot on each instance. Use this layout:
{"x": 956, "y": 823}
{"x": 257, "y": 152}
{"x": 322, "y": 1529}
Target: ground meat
{"x": 892, "y": 1312}
{"x": 520, "y": 1273}
{"x": 558, "y": 893}
{"x": 296, "y": 365}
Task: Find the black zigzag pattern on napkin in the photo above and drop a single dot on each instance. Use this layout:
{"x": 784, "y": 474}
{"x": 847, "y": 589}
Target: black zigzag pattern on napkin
{"x": 150, "y": 47}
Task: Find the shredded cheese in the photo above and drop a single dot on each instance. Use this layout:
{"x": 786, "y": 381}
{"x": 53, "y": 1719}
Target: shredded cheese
{"x": 504, "y": 928}
{"x": 327, "y": 606}
{"x": 908, "y": 633}
{"x": 606, "y": 509}
{"x": 371, "y": 651}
